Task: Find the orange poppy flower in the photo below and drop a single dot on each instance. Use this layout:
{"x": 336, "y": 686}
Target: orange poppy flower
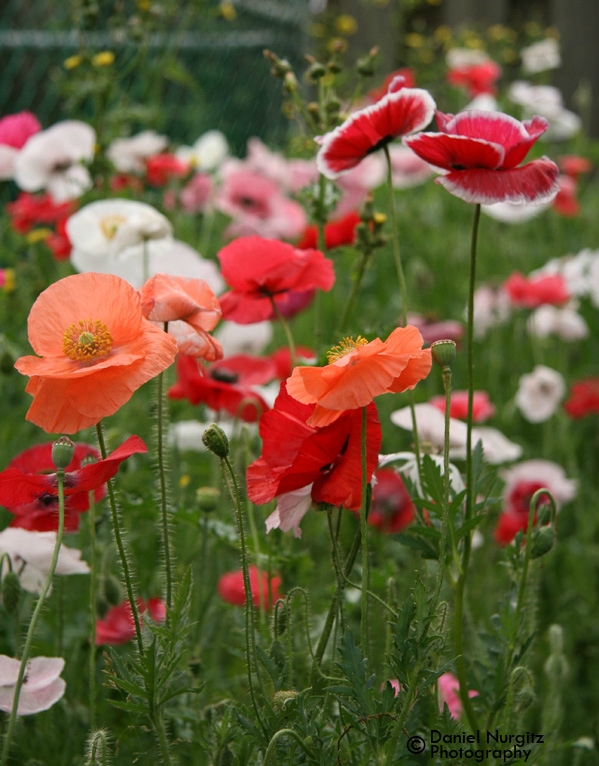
{"x": 358, "y": 371}
{"x": 96, "y": 349}
{"x": 191, "y": 309}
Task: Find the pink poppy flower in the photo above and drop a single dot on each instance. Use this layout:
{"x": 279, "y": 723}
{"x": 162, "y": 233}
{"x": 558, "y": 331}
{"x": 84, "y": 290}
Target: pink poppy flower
{"x": 566, "y": 201}
{"x": 257, "y": 206}
{"x": 29, "y": 487}
{"x": 431, "y": 330}
{"x": 479, "y": 154}
{"x": 231, "y": 588}
{"x": 260, "y": 270}
{"x": 449, "y": 694}
{"x": 15, "y": 131}
{"x": 402, "y": 111}
{"x": 574, "y": 165}
{"x": 532, "y": 292}
{"x": 196, "y": 195}
{"x": 41, "y": 688}
{"x": 118, "y": 626}
{"x": 482, "y": 408}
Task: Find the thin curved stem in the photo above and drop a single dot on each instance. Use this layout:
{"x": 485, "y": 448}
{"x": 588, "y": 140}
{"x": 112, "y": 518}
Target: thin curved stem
{"x": 287, "y": 330}
{"x": 364, "y": 534}
{"x": 118, "y": 538}
{"x": 34, "y": 618}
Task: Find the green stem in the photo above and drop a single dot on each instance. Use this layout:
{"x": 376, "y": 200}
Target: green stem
{"x": 287, "y": 330}
{"x": 163, "y": 489}
{"x": 34, "y": 618}
{"x": 158, "y": 724}
{"x": 470, "y": 491}
{"x": 91, "y": 520}
{"x": 118, "y": 538}
{"x": 364, "y": 535}
{"x": 250, "y": 638}
{"x": 361, "y": 269}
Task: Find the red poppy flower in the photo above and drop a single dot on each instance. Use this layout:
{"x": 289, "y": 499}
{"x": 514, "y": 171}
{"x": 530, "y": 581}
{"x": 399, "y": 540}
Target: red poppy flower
{"x": 479, "y": 154}
{"x": 476, "y": 78}
{"x": 161, "y": 168}
{"x": 58, "y": 241}
{"x": 402, "y": 111}
{"x": 566, "y": 202}
{"x": 29, "y": 210}
{"x": 392, "y": 509}
{"x": 218, "y": 388}
{"x": 260, "y": 270}
{"x": 336, "y": 233}
{"x": 533, "y": 292}
{"x": 574, "y": 165}
{"x": 515, "y": 516}
{"x": 118, "y": 626}
{"x": 325, "y": 464}
{"x": 583, "y": 399}
{"x": 29, "y": 487}
{"x": 482, "y": 409}
{"x": 231, "y": 588}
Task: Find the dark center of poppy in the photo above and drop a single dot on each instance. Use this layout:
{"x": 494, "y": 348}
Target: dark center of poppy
{"x": 223, "y": 375}
{"x": 380, "y": 144}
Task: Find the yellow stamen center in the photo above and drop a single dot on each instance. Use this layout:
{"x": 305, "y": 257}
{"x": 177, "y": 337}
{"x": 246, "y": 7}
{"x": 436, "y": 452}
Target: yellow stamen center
{"x": 110, "y": 224}
{"x": 87, "y": 340}
{"x": 346, "y": 346}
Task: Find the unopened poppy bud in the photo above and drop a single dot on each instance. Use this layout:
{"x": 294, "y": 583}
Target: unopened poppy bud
{"x": 290, "y": 82}
{"x": 333, "y": 106}
{"x": 281, "y": 698}
{"x": 444, "y": 352}
{"x": 208, "y": 498}
{"x": 62, "y": 452}
{"x": 543, "y": 541}
{"x": 316, "y": 71}
{"x": 280, "y": 67}
{"x": 11, "y": 592}
{"x": 215, "y": 439}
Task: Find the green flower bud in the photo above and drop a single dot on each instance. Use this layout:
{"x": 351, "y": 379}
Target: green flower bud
{"x": 315, "y": 71}
{"x": 208, "y": 498}
{"x": 215, "y": 439}
{"x": 281, "y": 698}
{"x": 444, "y": 352}
{"x": 62, "y": 452}
{"x": 543, "y": 540}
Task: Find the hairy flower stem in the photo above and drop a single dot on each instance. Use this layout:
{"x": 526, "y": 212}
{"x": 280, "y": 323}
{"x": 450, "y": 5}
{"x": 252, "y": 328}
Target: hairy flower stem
{"x": 364, "y": 535}
{"x": 34, "y": 618}
{"x": 93, "y": 585}
{"x": 470, "y": 493}
{"x": 403, "y": 292}
{"x": 168, "y": 567}
{"x": 118, "y": 538}
{"x": 250, "y": 637}
{"x": 287, "y": 330}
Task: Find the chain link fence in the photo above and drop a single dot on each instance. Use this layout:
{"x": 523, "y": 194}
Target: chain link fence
{"x": 203, "y": 66}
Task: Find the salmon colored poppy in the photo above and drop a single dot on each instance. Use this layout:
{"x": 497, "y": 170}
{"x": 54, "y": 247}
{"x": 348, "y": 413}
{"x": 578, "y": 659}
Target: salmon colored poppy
{"x": 189, "y": 305}
{"x": 358, "y": 371}
{"x": 96, "y": 349}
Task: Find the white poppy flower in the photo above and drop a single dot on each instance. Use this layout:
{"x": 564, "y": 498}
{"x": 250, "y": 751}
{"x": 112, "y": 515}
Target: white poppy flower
{"x": 492, "y": 308}
{"x": 8, "y": 155}
{"x": 128, "y": 155}
{"x": 51, "y": 160}
{"x": 484, "y": 102}
{"x": 540, "y": 393}
{"x": 566, "y": 323}
{"x": 547, "y": 101}
{"x": 31, "y": 555}
{"x": 512, "y": 212}
{"x": 541, "y": 56}
{"x": 109, "y": 227}
{"x": 431, "y": 428}
{"x": 41, "y": 688}
{"x": 243, "y": 338}
{"x": 207, "y": 153}
{"x": 581, "y": 272}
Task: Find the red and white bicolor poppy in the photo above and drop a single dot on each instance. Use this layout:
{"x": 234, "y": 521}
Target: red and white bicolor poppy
{"x": 479, "y": 155}
{"x": 401, "y": 112}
